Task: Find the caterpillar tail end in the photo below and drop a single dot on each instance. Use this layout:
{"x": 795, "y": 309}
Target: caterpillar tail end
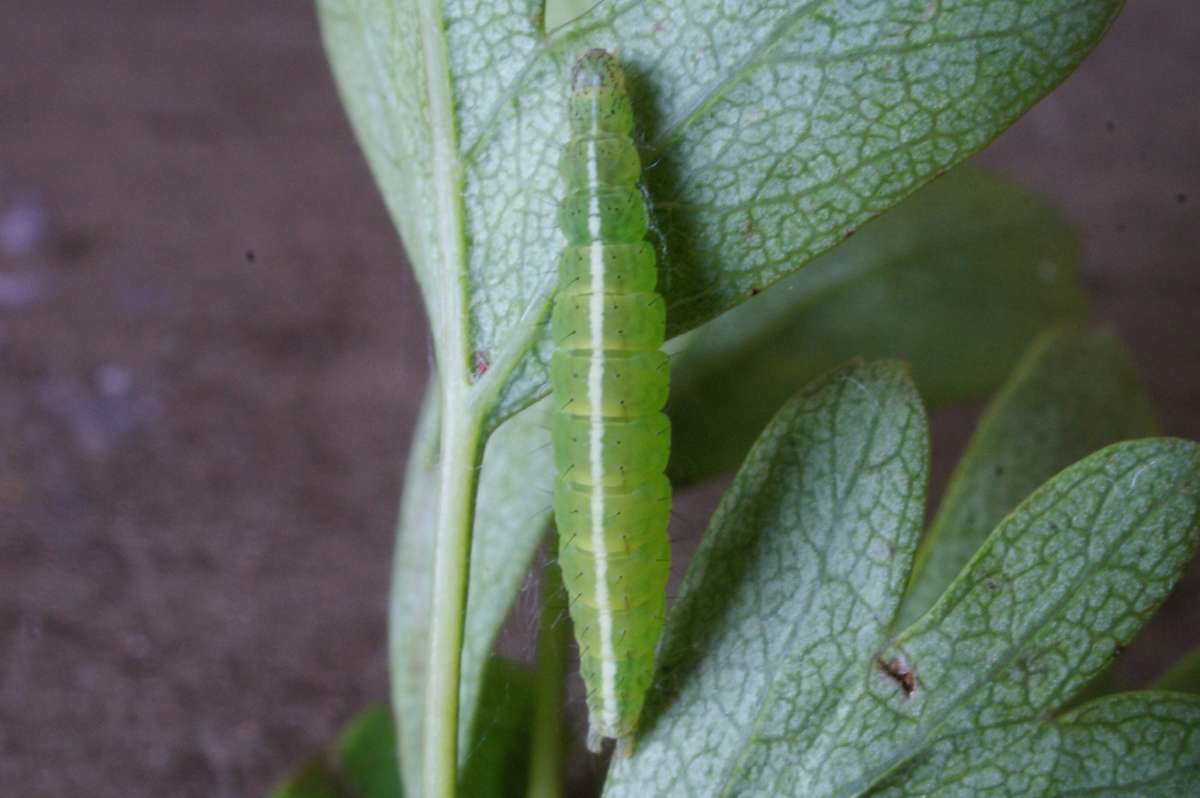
{"x": 624, "y": 748}
{"x": 596, "y": 738}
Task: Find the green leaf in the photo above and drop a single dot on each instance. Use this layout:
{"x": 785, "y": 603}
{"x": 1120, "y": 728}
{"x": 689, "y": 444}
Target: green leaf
{"x": 1184, "y": 675}
{"x": 776, "y": 678}
{"x": 550, "y": 737}
{"x": 361, "y": 765}
{"x": 1009, "y": 247}
{"x": 772, "y": 130}
{"x": 315, "y": 780}
{"x": 1073, "y": 393}
{"x": 957, "y": 280}
{"x": 512, "y": 519}
{"x": 791, "y": 591}
{"x": 367, "y": 756}
{"x": 1143, "y": 744}
{"x": 562, "y": 12}
{"x": 513, "y": 516}
{"x": 411, "y": 592}
{"x": 1064, "y": 581}
{"x": 497, "y": 762}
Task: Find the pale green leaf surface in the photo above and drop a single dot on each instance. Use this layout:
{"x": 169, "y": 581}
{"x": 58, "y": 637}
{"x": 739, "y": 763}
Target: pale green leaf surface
{"x": 562, "y": 12}
{"x": 1184, "y": 675}
{"x": 956, "y": 280}
{"x": 1075, "y": 391}
{"x": 840, "y": 305}
{"x": 1144, "y": 744}
{"x": 846, "y": 303}
{"x": 513, "y": 515}
{"x": 460, "y": 109}
{"x": 412, "y": 586}
{"x": 1065, "y": 580}
{"x": 791, "y": 591}
{"x": 772, "y": 130}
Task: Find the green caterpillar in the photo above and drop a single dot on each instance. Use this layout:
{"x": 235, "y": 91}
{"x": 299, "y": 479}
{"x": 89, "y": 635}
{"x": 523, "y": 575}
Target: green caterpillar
{"x": 609, "y": 382}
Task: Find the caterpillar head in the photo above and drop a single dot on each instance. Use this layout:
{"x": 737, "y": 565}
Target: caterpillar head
{"x": 598, "y": 104}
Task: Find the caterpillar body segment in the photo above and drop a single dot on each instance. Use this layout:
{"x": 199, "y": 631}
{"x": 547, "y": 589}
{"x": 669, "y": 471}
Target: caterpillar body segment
{"x": 609, "y": 384}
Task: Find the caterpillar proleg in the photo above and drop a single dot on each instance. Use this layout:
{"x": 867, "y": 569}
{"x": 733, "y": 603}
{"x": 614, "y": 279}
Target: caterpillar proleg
{"x": 609, "y": 383}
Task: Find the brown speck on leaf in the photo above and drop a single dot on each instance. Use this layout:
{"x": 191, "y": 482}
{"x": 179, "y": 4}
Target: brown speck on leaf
{"x": 849, "y": 234}
{"x": 748, "y": 230}
{"x": 755, "y": 291}
{"x": 900, "y": 673}
{"x": 481, "y": 364}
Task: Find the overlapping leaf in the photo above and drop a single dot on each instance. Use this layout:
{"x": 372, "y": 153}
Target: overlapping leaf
{"x": 957, "y": 281}
{"x": 1184, "y": 675}
{"x": 790, "y": 594}
{"x": 1057, "y": 589}
{"x": 1074, "y": 392}
{"x": 842, "y": 304}
{"x": 776, "y": 678}
{"x": 1144, "y": 744}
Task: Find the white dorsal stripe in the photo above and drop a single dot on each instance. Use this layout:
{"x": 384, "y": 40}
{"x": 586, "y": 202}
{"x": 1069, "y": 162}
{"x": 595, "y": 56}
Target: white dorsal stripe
{"x": 608, "y": 659}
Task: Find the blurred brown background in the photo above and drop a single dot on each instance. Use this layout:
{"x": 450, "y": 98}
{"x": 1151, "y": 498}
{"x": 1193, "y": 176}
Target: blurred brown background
{"x": 211, "y": 353}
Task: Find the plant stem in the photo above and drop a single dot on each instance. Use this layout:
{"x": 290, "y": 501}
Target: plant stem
{"x": 461, "y": 444}
{"x": 460, "y": 456}
{"x": 546, "y": 759}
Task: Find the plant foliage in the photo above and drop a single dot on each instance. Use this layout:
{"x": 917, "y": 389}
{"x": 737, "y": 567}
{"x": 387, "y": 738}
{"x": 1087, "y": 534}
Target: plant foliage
{"x": 804, "y": 654}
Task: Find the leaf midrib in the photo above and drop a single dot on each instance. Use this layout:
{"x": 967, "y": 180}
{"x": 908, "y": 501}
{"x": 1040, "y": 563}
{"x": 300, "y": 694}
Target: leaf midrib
{"x": 450, "y": 271}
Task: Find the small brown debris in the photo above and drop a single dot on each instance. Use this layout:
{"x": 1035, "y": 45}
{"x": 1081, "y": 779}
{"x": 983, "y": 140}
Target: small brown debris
{"x": 481, "y": 364}
{"x": 900, "y": 673}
